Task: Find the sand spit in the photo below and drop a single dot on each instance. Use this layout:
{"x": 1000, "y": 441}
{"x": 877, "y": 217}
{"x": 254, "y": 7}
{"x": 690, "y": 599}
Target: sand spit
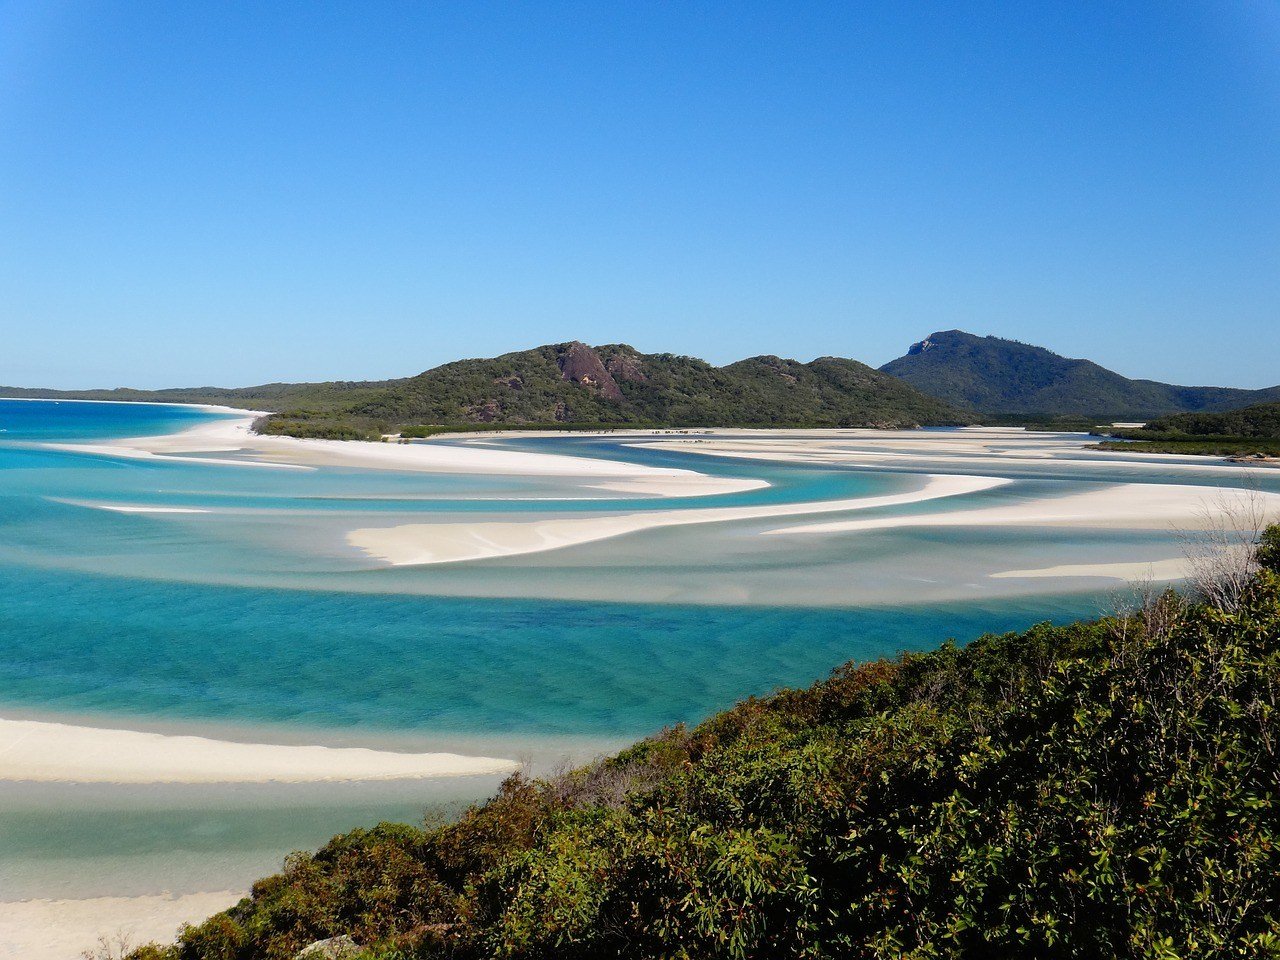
{"x": 467, "y": 456}
{"x": 33, "y": 750}
{"x": 428, "y": 543}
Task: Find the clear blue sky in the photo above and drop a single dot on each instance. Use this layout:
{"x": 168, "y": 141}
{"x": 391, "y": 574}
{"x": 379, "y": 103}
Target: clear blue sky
{"x": 231, "y": 192}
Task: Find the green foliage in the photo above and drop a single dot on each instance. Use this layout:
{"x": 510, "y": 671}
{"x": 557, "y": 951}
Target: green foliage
{"x": 1102, "y": 789}
{"x": 1007, "y": 377}
{"x": 422, "y": 432}
{"x": 1261, "y": 421}
{"x": 1250, "y": 431}
{"x": 1268, "y": 554}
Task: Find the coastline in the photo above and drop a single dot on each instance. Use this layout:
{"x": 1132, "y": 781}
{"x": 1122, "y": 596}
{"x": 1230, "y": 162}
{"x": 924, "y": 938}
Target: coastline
{"x": 52, "y": 752}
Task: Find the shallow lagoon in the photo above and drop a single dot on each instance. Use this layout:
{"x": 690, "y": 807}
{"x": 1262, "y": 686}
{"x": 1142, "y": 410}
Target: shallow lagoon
{"x": 257, "y": 621}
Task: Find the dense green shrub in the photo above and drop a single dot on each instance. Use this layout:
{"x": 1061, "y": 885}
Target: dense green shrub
{"x": 1106, "y": 789}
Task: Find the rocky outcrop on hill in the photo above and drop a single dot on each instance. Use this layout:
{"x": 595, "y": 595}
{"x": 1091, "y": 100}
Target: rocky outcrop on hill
{"x": 582, "y": 365}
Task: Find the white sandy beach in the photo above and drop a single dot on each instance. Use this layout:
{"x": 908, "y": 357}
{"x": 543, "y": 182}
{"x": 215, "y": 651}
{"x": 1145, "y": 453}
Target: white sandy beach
{"x": 64, "y": 929}
{"x": 57, "y": 752}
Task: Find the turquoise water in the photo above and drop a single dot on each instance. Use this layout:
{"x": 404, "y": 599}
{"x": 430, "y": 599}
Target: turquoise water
{"x": 256, "y": 621}
{"x": 86, "y": 644}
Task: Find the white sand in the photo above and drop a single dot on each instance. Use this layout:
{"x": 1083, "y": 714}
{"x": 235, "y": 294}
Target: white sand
{"x": 970, "y": 449}
{"x": 470, "y": 456}
{"x": 39, "y": 751}
{"x": 128, "y": 507}
{"x": 427, "y": 543}
{"x": 1173, "y": 568}
{"x": 64, "y": 929}
{"x": 1122, "y": 506}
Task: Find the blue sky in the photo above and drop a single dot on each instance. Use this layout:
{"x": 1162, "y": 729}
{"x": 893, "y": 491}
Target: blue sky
{"x": 230, "y": 193}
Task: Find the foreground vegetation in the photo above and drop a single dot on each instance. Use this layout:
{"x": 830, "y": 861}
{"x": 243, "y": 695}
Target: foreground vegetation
{"x": 1105, "y": 789}
{"x": 1251, "y": 431}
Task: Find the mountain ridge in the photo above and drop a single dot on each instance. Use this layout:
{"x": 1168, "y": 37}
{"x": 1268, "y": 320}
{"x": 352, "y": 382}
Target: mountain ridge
{"x": 1000, "y": 376}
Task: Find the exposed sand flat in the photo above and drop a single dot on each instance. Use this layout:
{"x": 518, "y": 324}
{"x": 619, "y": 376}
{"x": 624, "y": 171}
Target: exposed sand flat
{"x": 970, "y": 448}
{"x": 1122, "y": 506}
{"x": 47, "y": 752}
{"x": 64, "y": 929}
{"x": 427, "y": 543}
{"x": 1173, "y": 568}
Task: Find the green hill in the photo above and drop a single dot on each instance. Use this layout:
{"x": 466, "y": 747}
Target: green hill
{"x": 573, "y": 384}
{"x": 1104, "y": 789}
{"x": 1007, "y": 377}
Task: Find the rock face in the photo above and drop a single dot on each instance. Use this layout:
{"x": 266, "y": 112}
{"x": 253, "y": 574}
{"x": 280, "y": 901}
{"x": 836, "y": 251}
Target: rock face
{"x": 581, "y": 365}
{"x": 627, "y": 368}
{"x": 918, "y": 348}
{"x": 335, "y": 948}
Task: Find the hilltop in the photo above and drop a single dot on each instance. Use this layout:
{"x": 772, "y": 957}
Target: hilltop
{"x": 572, "y": 384}
{"x": 1000, "y": 376}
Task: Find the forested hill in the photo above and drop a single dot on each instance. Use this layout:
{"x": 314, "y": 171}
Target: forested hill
{"x": 1097, "y": 790}
{"x": 1261, "y": 420}
{"x": 1007, "y": 377}
{"x": 572, "y": 383}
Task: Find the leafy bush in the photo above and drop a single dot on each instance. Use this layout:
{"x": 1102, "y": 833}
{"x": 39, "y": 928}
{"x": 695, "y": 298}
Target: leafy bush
{"x": 1105, "y": 789}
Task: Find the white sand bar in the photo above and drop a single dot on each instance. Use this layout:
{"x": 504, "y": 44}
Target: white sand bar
{"x": 1122, "y": 506}
{"x": 64, "y": 929}
{"x": 57, "y": 752}
{"x": 426, "y": 543}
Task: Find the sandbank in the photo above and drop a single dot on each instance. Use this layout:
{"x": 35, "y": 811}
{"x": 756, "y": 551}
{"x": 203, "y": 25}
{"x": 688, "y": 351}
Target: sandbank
{"x": 1172, "y": 568}
{"x": 430, "y": 543}
{"x": 34, "y": 750}
{"x": 1121, "y": 506}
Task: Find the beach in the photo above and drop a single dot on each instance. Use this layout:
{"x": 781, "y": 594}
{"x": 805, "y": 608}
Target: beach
{"x": 48, "y": 929}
